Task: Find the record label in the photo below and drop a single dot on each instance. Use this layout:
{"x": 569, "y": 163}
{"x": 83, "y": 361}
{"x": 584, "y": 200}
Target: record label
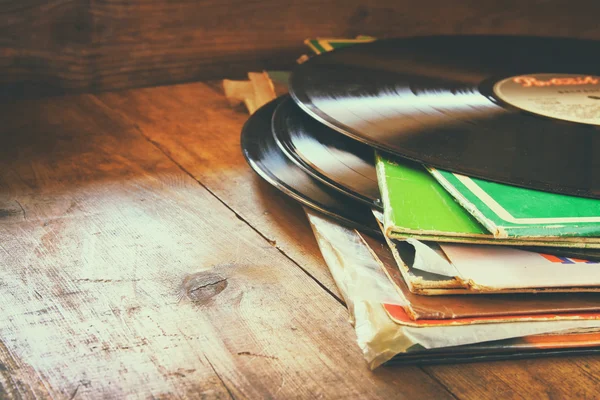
{"x": 568, "y": 97}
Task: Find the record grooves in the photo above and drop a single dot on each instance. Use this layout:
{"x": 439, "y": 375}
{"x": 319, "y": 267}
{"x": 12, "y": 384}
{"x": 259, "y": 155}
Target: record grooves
{"x": 517, "y": 110}
{"x": 267, "y": 160}
{"x": 327, "y": 155}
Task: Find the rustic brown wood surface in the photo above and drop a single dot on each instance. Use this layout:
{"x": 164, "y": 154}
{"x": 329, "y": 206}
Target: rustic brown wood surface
{"x": 61, "y": 46}
{"x": 142, "y": 257}
{"x": 123, "y": 275}
{"x": 204, "y": 140}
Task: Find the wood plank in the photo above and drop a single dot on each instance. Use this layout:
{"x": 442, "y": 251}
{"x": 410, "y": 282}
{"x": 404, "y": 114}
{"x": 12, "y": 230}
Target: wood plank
{"x": 551, "y": 378}
{"x": 121, "y": 276}
{"x": 195, "y": 126}
{"x": 42, "y": 46}
{"x": 81, "y": 45}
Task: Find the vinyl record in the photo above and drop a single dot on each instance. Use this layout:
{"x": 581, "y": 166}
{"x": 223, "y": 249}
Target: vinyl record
{"x": 518, "y": 110}
{"x": 327, "y": 155}
{"x": 267, "y": 160}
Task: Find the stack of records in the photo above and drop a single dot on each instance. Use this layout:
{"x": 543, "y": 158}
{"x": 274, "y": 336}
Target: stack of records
{"x": 453, "y": 188}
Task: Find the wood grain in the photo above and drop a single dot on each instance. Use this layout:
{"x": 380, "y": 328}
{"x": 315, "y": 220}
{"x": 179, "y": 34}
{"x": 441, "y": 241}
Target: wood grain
{"x": 59, "y": 46}
{"x": 194, "y": 125}
{"x": 123, "y": 277}
{"x": 553, "y": 378}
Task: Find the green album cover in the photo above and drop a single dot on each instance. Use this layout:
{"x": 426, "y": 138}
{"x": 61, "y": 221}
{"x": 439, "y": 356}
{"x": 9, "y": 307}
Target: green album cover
{"x": 417, "y": 206}
{"x": 510, "y": 211}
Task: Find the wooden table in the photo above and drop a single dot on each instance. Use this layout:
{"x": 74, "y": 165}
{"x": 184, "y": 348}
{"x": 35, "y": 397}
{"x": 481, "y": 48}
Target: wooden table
{"x": 140, "y": 256}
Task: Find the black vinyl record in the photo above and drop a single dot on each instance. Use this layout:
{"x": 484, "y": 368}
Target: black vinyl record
{"x": 327, "y": 155}
{"x": 267, "y": 160}
{"x": 518, "y": 110}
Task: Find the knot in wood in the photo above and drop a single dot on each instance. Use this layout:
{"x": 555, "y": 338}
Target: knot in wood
{"x": 203, "y": 286}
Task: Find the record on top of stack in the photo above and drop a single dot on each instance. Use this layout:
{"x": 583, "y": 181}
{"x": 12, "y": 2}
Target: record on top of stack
{"x": 517, "y": 110}
{"x": 268, "y": 161}
{"x": 336, "y": 160}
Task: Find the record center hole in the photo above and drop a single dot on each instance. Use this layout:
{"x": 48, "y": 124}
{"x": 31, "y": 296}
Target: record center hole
{"x": 594, "y": 97}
